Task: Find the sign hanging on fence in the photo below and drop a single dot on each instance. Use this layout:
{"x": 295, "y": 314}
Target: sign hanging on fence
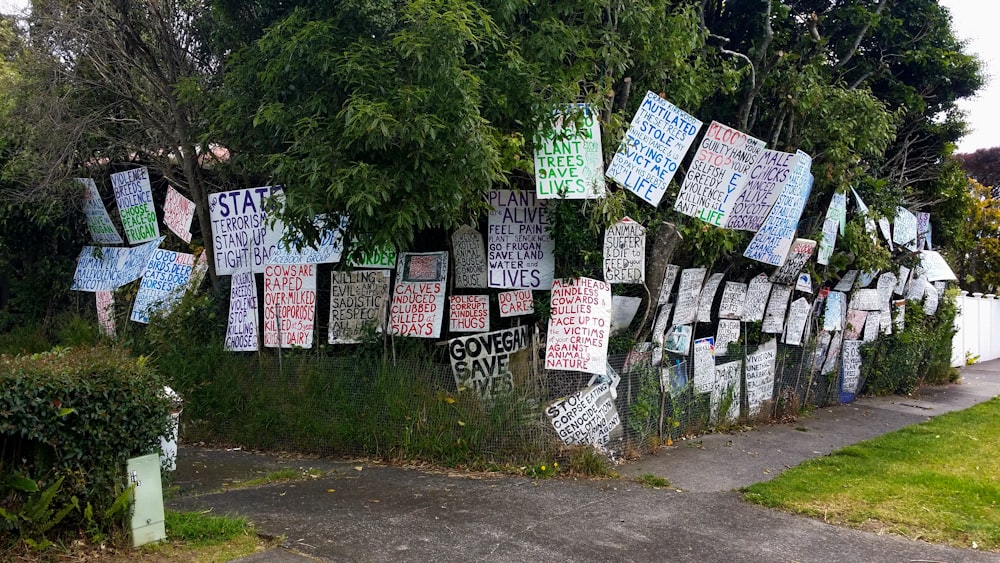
{"x": 516, "y": 303}
{"x": 804, "y": 283}
{"x": 135, "y": 205}
{"x": 106, "y": 312}
{"x": 760, "y": 376}
{"x": 482, "y": 362}
{"x": 418, "y": 297}
{"x": 625, "y": 252}
{"x": 579, "y": 326}
{"x": 469, "y": 252}
{"x": 241, "y": 235}
{"x": 293, "y": 249}
{"x": 851, "y": 366}
{"x": 798, "y": 316}
{"x": 717, "y": 174}
{"x": 521, "y": 252}
{"x": 833, "y": 318}
{"x": 653, "y": 147}
{"x": 687, "y": 295}
{"x": 623, "y": 310}
{"x": 798, "y": 255}
{"x": 884, "y": 288}
{"x": 289, "y": 305}
{"x": 164, "y": 282}
{"x": 379, "y": 258}
{"x": 178, "y": 213}
{"x": 726, "y": 390}
{"x": 704, "y": 364}
{"x": 107, "y": 268}
{"x": 359, "y": 301}
{"x": 569, "y": 161}
{"x": 726, "y": 332}
{"x": 768, "y": 177}
{"x": 734, "y": 296}
{"x": 827, "y": 242}
{"x": 904, "y": 228}
{"x": 678, "y": 340}
{"x": 773, "y": 239}
{"x": 854, "y": 324}
{"x": 777, "y": 305}
{"x": 241, "y": 329}
{"x": 756, "y": 299}
{"x": 935, "y": 268}
{"x": 469, "y": 313}
{"x": 869, "y": 222}
{"x": 847, "y": 282}
{"x": 588, "y": 417}
{"x": 102, "y": 228}
{"x": 667, "y": 287}
{"x": 708, "y": 297}
{"x": 923, "y": 230}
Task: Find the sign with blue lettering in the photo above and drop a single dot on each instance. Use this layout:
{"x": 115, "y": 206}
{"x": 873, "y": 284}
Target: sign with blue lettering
{"x": 774, "y": 237}
{"x": 135, "y": 205}
{"x": 717, "y": 174}
{"x": 163, "y": 283}
{"x": 102, "y": 229}
{"x": 768, "y": 177}
{"x": 107, "y": 268}
{"x": 569, "y": 161}
{"x": 241, "y": 236}
{"x": 521, "y": 252}
{"x": 326, "y": 251}
{"x": 653, "y": 147}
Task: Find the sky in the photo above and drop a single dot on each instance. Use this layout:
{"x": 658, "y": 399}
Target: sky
{"x": 974, "y": 21}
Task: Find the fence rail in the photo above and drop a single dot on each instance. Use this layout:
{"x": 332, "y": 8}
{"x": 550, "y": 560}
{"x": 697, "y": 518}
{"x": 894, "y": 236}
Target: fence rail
{"x": 977, "y": 322}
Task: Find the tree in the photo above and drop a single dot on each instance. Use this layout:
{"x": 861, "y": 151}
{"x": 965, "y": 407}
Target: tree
{"x": 979, "y": 258}
{"x": 983, "y": 165}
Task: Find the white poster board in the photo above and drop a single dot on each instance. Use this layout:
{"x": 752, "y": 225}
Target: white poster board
{"x": 108, "y": 268}
{"x": 164, "y": 282}
{"x": 704, "y": 364}
{"x": 734, "y": 296}
{"x": 707, "y": 297}
{"x": 846, "y": 283}
{"x": 587, "y": 417}
{"x": 935, "y": 268}
{"x": 760, "y": 376}
{"x": 569, "y": 161}
{"x": 241, "y": 235}
{"x": 520, "y": 248}
{"x": 178, "y": 213}
{"x": 726, "y": 390}
{"x": 833, "y": 318}
{"x": 482, "y": 362}
{"x": 687, "y": 295}
{"x": 516, "y": 303}
{"x": 851, "y": 365}
{"x": 359, "y": 301}
{"x": 799, "y": 253}
{"x": 241, "y": 328}
{"x": 768, "y": 177}
{"x": 865, "y": 300}
{"x": 135, "y": 205}
{"x": 580, "y": 326}
{"x": 726, "y": 332}
{"x": 469, "y": 253}
{"x": 827, "y": 242}
{"x": 106, "y": 312}
{"x": 798, "y": 316}
{"x": 756, "y": 299}
{"x": 667, "y": 287}
{"x": 469, "y": 313}
{"x": 625, "y": 252}
{"x": 772, "y": 241}
{"x": 863, "y": 211}
{"x": 380, "y": 258}
{"x": 289, "y": 305}
{"x": 854, "y": 324}
{"x": 777, "y": 305}
{"x": 418, "y": 297}
{"x": 102, "y": 228}
{"x": 293, "y": 249}
{"x": 904, "y": 228}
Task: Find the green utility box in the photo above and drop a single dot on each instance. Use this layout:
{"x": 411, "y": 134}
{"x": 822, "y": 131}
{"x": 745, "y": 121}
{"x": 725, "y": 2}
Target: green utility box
{"x": 147, "y": 506}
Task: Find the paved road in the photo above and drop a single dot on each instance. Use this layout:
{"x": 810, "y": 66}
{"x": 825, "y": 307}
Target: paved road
{"x": 394, "y": 514}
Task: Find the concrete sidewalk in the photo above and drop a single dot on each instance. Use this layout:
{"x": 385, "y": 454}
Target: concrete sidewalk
{"x": 390, "y": 514}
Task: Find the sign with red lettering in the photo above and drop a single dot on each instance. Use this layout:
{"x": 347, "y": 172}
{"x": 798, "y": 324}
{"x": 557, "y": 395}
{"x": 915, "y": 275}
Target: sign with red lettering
{"x": 569, "y": 161}
{"x": 625, "y": 252}
{"x": 418, "y": 298}
{"x": 358, "y": 304}
{"x": 521, "y": 252}
{"x": 516, "y": 303}
{"x": 178, "y": 211}
{"x": 242, "y": 237}
{"x": 469, "y": 313}
{"x": 135, "y": 205}
{"x": 798, "y": 255}
{"x": 289, "y": 305}
{"x": 580, "y": 326}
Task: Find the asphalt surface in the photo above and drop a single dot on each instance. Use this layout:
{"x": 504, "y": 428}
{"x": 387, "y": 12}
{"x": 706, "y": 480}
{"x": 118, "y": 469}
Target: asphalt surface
{"x": 359, "y": 512}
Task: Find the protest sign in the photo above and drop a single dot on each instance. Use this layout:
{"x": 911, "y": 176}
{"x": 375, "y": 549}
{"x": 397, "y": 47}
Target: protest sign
{"x": 734, "y": 296}
{"x": 760, "y": 376}
{"x": 704, "y": 364}
{"x": 379, "y": 258}
{"x": 178, "y": 212}
{"x": 833, "y": 354}
{"x": 678, "y": 340}
{"x": 164, "y": 281}
{"x": 851, "y": 366}
{"x": 707, "y": 297}
{"x": 773, "y": 239}
{"x": 798, "y": 316}
{"x": 199, "y": 271}
{"x": 846, "y": 283}
{"x": 854, "y": 324}
{"x": 822, "y": 347}
{"x": 569, "y": 162}
{"x": 798, "y": 255}
{"x": 899, "y": 314}
{"x": 292, "y": 248}
{"x": 828, "y": 242}
{"x": 623, "y": 310}
{"x": 930, "y": 298}
{"x": 106, "y": 312}
{"x": 135, "y": 205}
{"x": 579, "y": 326}
{"x": 470, "y": 258}
{"x": 886, "y": 230}
{"x": 768, "y": 177}
{"x": 901, "y": 280}
{"x": 833, "y": 318}
{"x": 726, "y": 391}
{"x": 915, "y": 288}
{"x": 717, "y": 174}
{"x": 865, "y": 278}
{"x": 102, "y": 229}
{"x": 727, "y": 332}
{"x": 654, "y": 145}
{"x": 865, "y": 300}
{"x": 777, "y": 304}
{"x": 923, "y": 227}
{"x": 625, "y": 252}
{"x": 107, "y": 268}
{"x": 241, "y": 234}
{"x": 687, "y": 295}
{"x": 521, "y": 252}
{"x": 874, "y": 323}
{"x": 935, "y": 268}
{"x": 804, "y": 283}
{"x": 241, "y": 329}
{"x": 516, "y": 303}
{"x": 482, "y": 362}
{"x": 667, "y": 287}
{"x": 863, "y": 211}
{"x": 587, "y": 417}
{"x": 289, "y": 305}
{"x": 660, "y": 333}
{"x": 469, "y": 313}
{"x": 904, "y": 228}
{"x": 418, "y": 298}
{"x": 838, "y": 210}
{"x": 884, "y": 288}
{"x": 756, "y": 298}
{"x": 359, "y": 301}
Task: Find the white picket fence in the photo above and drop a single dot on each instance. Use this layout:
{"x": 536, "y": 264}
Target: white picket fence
{"x": 978, "y": 321}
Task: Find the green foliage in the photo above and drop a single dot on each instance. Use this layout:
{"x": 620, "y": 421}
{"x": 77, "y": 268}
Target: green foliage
{"x": 200, "y": 529}
{"x": 32, "y": 519}
{"x": 587, "y": 462}
{"x": 653, "y": 481}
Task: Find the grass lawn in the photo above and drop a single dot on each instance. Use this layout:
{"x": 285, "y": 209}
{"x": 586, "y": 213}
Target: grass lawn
{"x": 938, "y": 481}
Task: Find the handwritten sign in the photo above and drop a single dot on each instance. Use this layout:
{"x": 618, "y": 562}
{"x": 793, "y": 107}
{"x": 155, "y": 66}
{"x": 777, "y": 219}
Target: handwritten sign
{"x": 380, "y": 258}
{"x": 874, "y": 322}
{"x": 827, "y": 242}
{"x": 833, "y": 318}
{"x": 717, "y": 174}
{"x": 777, "y": 304}
{"x": 135, "y": 205}
{"x": 935, "y": 268}
{"x": 241, "y": 236}
{"x": 678, "y": 340}
{"x": 904, "y": 228}
{"x": 579, "y": 328}
{"x": 798, "y": 255}
{"x": 798, "y": 316}
{"x": 865, "y": 300}
{"x": 851, "y": 366}
{"x": 923, "y": 230}
{"x": 915, "y": 288}
{"x": 886, "y": 229}
{"x": 293, "y": 249}
{"x": 516, "y": 303}
{"x": 734, "y": 296}
{"x": 625, "y": 252}
{"x": 688, "y": 294}
{"x": 178, "y": 212}
{"x": 768, "y": 177}
{"x": 163, "y": 283}
{"x": 726, "y": 390}
{"x": 704, "y": 364}
{"x": 930, "y": 298}
{"x": 865, "y": 278}
{"x": 772, "y": 241}
{"x": 659, "y": 333}
{"x": 469, "y": 313}
{"x": 669, "y": 277}
{"x": 899, "y": 314}
{"x": 241, "y": 329}
{"x": 102, "y": 229}
{"x": 707, "y": 297}
{"x": 838, "y": 210}
{"x": 901, "y": 280}
{"x": 107, "y": 268}
{"x": 822, "y": 347}
{"x": 585, "y": 418}
{"x": 726, "y": 332}
{"x": 833, "y": 354}
{"x": 289, "y": 305}
{"x": 418, "y": 297}
{"x": 855, "y": 323}
{"x": 569, "y": 162}
{"x": 106, "y": 312}
{"x": 470, "y": 258}
{"x": 654, "y": 145}
{"x": 482, "y": 362}
{"x": 623, "y": 310}
{"x": 760, "y": 376}
{"x": 520, "y": 248}
{"x": 863, "y": 211}
{"x": 359, "y": 301}
{"x": 756, "y": 300}
{"x": 847, "y": 282}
